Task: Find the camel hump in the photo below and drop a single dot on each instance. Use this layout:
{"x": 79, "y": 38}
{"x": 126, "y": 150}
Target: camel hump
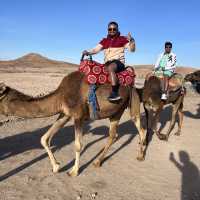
{"x": 176, "y": 81}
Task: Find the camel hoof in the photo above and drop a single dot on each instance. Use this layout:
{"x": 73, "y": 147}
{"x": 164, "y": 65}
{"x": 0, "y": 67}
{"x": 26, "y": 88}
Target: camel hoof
{"x": 97, "y": 163}
{"x": 56, "y": 168}
{"x": 72, "y": 173}
{"x": 140, "y": 158}
{"x": 162, "y": 137}
{"x": 177, "y": 133}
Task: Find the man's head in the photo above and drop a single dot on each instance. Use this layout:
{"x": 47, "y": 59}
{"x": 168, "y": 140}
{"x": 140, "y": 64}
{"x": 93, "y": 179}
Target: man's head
{"x": 168, "y": 47}
{"x": 113, "y": 29}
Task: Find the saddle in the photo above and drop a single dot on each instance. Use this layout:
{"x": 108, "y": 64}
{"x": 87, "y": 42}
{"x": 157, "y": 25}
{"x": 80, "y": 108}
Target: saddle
{"x": 97, "y": 73}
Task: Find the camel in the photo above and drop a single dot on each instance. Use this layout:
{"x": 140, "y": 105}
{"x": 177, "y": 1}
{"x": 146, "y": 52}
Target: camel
{"x": 70, "y": 100}
{"x": 194, "y": 78}
{"x": 151, "y": 98}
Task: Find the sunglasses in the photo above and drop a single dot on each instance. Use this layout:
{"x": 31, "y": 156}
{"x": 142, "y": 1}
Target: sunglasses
{"x": 112, "y": 29}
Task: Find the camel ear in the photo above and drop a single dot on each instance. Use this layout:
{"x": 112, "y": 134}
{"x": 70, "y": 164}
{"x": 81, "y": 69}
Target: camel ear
{"x": 3, "y": 88}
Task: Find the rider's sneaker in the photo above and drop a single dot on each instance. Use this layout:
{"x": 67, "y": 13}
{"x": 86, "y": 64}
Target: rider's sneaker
{"x": 164, "y": 96}
{"x": 114, "y": 97}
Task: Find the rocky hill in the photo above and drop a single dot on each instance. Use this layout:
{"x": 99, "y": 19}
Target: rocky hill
{"x": 36, "y": 63}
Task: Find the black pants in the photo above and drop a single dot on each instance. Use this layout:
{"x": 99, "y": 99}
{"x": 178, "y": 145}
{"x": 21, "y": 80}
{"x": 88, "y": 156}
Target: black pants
{"x": 120, "y": 65}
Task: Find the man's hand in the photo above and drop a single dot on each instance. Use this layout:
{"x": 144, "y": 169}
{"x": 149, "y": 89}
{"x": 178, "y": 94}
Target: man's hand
{"x": 129, "y": 37}
{"x": 85, "y": 53}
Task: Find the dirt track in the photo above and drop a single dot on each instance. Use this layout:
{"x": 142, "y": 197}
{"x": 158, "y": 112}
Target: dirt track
{"x": 25, "y": 171}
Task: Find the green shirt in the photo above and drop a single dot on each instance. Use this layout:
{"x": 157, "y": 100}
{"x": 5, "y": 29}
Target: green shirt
{"x": 163, "y": 61}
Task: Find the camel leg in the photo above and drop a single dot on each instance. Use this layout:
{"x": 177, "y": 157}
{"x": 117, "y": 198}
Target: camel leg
{"x": 135, "y": 116}
{"x": 156, "y": 119}
{"x": 112, "y": 136}
{"x": 142, "y": 138}
{"x": 148, "y": 114}
{"x": 51, "y": 136}
{"x": 180, "y": 121}
{"x": 173, "y": 120}
{"x": 78, "y": 125}
{"x": 45, "y": 140}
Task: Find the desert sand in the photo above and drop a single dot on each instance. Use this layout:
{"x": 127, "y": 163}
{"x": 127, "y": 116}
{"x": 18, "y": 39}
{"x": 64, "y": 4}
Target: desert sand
{"x": 25, "y": 170}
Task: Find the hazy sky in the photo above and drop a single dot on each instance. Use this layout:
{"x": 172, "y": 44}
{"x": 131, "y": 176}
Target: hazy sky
{"x": 61, "y": 29}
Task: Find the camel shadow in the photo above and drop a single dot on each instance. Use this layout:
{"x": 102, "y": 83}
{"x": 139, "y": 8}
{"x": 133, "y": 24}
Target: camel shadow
{"x": 13, "y": 145}
{"x": 23, "y": 142}
{"x": 190, "y": 184}
{"x": 192, "y": 115}
{"x": 19, "y": 143}
{"x": 125, "y": 128}
{"x": 16, "y": 144}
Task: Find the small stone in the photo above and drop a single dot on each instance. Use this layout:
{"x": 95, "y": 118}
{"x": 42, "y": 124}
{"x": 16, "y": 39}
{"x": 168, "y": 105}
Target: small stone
{"x": 79, "y": 197}
{"x": 93, "y": 195}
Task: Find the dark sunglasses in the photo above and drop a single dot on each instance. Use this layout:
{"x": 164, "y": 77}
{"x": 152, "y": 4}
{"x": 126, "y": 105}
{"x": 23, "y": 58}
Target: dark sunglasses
{"x": 112, "y": 29}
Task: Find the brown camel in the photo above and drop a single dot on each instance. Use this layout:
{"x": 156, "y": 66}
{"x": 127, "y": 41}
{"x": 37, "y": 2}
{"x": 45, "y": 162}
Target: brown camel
{"x": 194, "y": 78}
{"x": 70, "y": 99}
{"x": 151, "y": 97}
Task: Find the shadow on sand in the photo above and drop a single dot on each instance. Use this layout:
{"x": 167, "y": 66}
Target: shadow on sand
{"x": 16, "y": 144}
{"x": 190, "y": 177}
{"x": 192, "y": 115}
{"x": 125, "y": 128}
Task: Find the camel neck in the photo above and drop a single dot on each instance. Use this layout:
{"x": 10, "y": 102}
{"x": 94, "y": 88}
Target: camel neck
{"x": 30, "y": 107}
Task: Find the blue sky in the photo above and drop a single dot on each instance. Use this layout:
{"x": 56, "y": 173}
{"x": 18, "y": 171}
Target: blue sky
{"x": 62, "y": 29}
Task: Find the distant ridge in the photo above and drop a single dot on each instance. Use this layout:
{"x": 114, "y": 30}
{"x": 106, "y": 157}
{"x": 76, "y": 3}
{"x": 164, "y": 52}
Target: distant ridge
{"x": 143, "y": 70}
{"x": 36, "y": 63}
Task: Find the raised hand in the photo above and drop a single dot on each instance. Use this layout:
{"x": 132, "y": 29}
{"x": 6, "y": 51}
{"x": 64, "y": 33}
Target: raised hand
{"x": 129, "y": 37}
{"x": 85, "y": 53}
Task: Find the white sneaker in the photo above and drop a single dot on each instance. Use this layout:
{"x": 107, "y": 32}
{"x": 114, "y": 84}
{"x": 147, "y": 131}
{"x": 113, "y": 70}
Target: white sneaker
{"x": 164, "y": 96}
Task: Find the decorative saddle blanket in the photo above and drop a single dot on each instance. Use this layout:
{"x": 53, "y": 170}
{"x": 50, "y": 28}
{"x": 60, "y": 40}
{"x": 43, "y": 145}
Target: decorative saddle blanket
{"x": 97, "y": 73}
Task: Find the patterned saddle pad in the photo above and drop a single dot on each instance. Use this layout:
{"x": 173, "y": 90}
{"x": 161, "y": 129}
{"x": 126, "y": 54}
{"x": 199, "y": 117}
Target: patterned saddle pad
{"x": 97, "y": 73}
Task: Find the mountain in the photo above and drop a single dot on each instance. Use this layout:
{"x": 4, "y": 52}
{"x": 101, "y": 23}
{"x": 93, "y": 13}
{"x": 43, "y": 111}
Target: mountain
{"x": 36, "y": 63}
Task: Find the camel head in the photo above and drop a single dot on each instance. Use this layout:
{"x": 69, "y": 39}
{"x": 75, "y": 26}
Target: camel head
{"x": 193, "y": 77}
{"x": 3, "y": 90}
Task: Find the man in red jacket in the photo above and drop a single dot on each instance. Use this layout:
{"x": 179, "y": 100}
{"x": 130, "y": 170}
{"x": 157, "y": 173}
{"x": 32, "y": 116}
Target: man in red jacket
{"x": 114, "y": 46}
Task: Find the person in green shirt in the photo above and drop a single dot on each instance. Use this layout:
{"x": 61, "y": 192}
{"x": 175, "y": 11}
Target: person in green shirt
{"x": 165, "y": 65}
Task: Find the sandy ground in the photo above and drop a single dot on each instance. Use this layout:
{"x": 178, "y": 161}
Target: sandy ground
{"x": 25, "y": 171}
